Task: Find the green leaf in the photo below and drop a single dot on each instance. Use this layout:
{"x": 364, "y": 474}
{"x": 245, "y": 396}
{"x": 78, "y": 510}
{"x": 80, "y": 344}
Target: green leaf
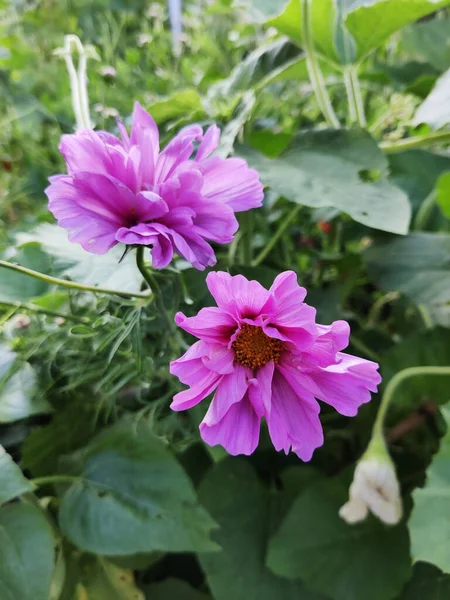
{"x": 81, "y": 266}
{"x": 241, "y": 506}
{"x": 422, "y": 348}
{"x": 372, "y": 22}
{"x": 102, "y": 580}
{"x": 428, "y": 42}
{"x": 18, "y": 399}
{"x": 173, "y": 589}
{"x": 427, "y": 583}
{"x": 13, "y": 482}
{"x": 417, "y": 265}
{"x": 266, "y": 8}
{"x": 443, "y": 194}
{"x": 435, "y": 109}
{"x": 26, "y": 553}
{"x": 346, "y": 157}
{"x": 179, "y": 104}
{"x": 345, "y": 562}
{"x": 429, "y": 525}
{"x": 131, "y": 496}
{"x": 14, "y": 286}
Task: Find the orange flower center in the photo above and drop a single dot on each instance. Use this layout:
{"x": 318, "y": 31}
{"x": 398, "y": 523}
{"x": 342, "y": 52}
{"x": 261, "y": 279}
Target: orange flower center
{"x": 253, "y": 348}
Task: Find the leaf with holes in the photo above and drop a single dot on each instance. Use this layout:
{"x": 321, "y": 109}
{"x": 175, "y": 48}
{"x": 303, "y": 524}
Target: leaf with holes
{"x": 356, "y": 177}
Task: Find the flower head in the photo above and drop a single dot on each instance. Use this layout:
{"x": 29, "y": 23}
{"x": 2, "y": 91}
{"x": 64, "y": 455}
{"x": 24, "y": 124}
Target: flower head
{"x": 264, "y": 356}
{"x": 127, "y": 190}
{"x": 375, "y": 487}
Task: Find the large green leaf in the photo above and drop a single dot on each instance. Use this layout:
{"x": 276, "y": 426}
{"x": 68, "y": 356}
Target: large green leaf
{"x": 81, "y": 266}
{"x": 13, "y": 482}
{"x": 427, "y": 583}
{"x": 372, "y": 22}
{"x": 102, "y": 580}
{"x": 130, "y": 495}
{"x": 350, "y": 159}
{"x": 429, "y": 525}
{"x": 173, "y": 589}
{"x": 18, "y": 398}
{"x": 241, "y": 506}
{"x": 14, "y": 286}
{"x": 428, "y": 42}
{"x": 345, "y": 562}
{"x": 435, "y": 109}
{"x": 417, "y": 265}
{"x": 422, "y": 348}
{"x": 26, "y": 553}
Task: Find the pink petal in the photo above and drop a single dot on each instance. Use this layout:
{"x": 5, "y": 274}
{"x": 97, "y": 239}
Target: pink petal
{"x": 347, "y": 384}
{"x": 189, "y": 398}
{"x": 219, "y": 359}
{"x": 144, "y": 130}
{"x": 294, "y": 420}
{"x": 210, "y": 324}
{"x": 209, "y": 143}
{"x": 244, "y": 298}
{"x": 330, "y": 341}
{"x": 232, "y": 182}
{"x": 260, "y": 390}
{"x": 231, "y": 389}
{"x": 190, "y": 367}
{"x": 176, "y": 152}
{"x": 237, "y": 432}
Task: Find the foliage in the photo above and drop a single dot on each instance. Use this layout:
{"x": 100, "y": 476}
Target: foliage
{"x": 104, "y": 492}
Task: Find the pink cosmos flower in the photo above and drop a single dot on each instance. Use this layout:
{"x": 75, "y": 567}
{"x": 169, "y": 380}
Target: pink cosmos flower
{"x": 264, "y": 356}
{"x": 127, "y": 190}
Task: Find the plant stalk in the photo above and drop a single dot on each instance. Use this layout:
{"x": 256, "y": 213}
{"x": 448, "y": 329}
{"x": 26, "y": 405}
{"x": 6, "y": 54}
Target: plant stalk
{"x": 274, "y": 239}
{"x": 420, "y": 141}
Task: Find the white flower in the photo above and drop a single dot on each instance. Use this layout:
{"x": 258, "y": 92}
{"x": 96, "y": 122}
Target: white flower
{"x": 375, "y": 487}
{"x": 107, "y": 71}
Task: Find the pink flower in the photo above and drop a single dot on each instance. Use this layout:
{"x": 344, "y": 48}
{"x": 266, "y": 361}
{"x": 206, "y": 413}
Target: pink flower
{"x": 264, "y": 356}
{"x": 126, "y": 190}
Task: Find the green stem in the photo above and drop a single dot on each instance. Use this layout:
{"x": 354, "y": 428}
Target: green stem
{"x": 350, "y": 97}
{"x": 314, "y": 71}
{"x": 54, "y": 480}
{"x": 420, "y": 141}
{"x": 274, "y": 239}
{"x": 377, "y": 307}
{"x": 362, "y": 347}
{"x": 394, "y": 383}
{"x": 424, "y": 211}
{"x": 247, "y": 227}
{"x": 359, "y": 102}
{"x": 156, "y": 290}
{"x": 69, "y": 284}
{"x": 38, "y": 309}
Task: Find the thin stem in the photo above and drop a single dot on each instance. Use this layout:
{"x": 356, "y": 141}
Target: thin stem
{"x": 69, "y": 284}
{"x": 315, "y": 73}
{"x": 281, "y": 229}
{"x": 54, "y": 480}
{"x": 420, "y": 141}
{"x": 423, "y": 214}
{"x": 350, "y": 97}
{"x": 247, "y": 226}
{"x": 425, "y": 315}
{"x": 25, "y": 306}
{"x": 359, "y": 102}
{"x": 378, "y": 306}
{"x": 153, "y": 284}
{"x": 362, "y": 347}
{"x": 394, "y": 383}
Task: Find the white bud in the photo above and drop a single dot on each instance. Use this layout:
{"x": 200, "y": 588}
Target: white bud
{"x": 375, "y": 487}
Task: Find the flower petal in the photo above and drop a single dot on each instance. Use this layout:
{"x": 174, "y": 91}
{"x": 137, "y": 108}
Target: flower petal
{"x": 231, "y": 389}
{"x": 176, "y": 152}
{"x": 209, "y": 143}
{"x": 232, "y": 182}
{"x": 260, "y": 390}
{"x": 237, "y": 432}
{"x": 190, "y": 367}
{"x": 243, "y": 298}
{"x": 194, "y": 395}
{"x": 210, "y": 324}
{"x": 293, "y": 420}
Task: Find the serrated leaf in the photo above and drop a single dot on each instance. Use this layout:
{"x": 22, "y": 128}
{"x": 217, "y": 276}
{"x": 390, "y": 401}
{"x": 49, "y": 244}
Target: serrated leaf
{"x": 345, "y": 562}
{"x": 435, "y": 109}
{"x": 241, "y": 506}
{"x": 429, "y": 525}
{"x": 130, "y": 495}
{"x": 372, "y": 22}
{"x": 346, "y": 156}
{"x": 422, "y": 348}
{"x": 417, "y": 265}
{"x": 13, "y": 482}
{"x": 26, "y": 553}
